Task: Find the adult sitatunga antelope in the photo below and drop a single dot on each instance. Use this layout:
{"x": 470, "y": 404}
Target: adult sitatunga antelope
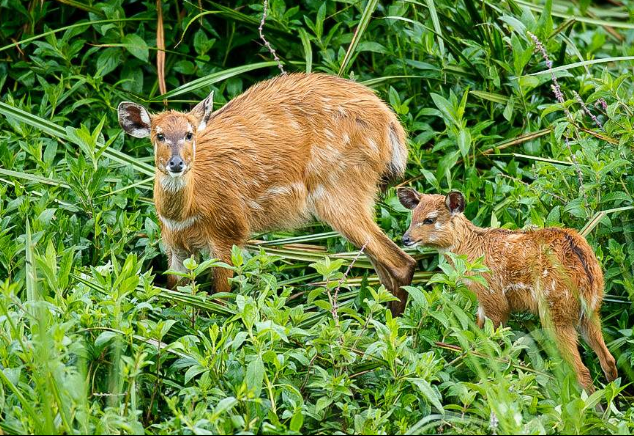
{"x": 552, "y": 272}
{"x": 287, "y": 150}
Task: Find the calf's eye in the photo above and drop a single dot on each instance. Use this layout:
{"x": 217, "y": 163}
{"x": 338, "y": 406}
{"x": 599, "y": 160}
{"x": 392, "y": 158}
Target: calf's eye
{"x": 429, "y": 220}
{"x": 160, "y": 137}
{"x": 189, "y": 136}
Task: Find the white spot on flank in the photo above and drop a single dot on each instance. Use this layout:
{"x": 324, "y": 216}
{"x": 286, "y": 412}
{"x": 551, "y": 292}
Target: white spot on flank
{"x": 254, "y": 205}
{"x": 278, "y": 190}
{"x": 346, "y": 138}
{"x": 317, "y": 193}
{"x": 329, "y": 134}
{"x": 176, "y": 226}
{"x": 372, "y": 145}
{"x": 545, "y": 273}
{"x": 284, "y": 189}
{"x": 518, "y": 287}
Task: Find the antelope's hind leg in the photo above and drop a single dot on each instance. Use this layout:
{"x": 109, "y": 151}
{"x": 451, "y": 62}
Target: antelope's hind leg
{"x": 394, "y": 267}
{"x": 566, "y": 337}
{"x": 591, "y": 331}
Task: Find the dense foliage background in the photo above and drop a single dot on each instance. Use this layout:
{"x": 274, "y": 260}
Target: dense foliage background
{"x": 91, "y": 343}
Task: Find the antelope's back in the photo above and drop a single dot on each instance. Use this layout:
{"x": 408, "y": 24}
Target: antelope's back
{"x": 572, "y": 258}
{"x": 316, "y": 121}
{"x": 295, "y": 140}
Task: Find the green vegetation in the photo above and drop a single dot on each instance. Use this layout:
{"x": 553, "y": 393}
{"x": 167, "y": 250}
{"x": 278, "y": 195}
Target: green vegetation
{"x": 90, "y": 342}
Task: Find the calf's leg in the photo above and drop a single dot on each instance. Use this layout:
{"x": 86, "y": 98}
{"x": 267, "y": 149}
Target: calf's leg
{"x": 591, "y": 331}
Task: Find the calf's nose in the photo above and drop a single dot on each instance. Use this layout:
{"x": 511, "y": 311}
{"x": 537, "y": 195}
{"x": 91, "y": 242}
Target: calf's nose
{"x": 407, "y": 240}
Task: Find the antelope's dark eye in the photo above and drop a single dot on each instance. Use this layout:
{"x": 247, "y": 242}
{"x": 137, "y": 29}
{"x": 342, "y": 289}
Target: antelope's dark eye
{"x": 160, "y": 137}
{"x": 189, "y": 136}
{"x": 429, "y": 220}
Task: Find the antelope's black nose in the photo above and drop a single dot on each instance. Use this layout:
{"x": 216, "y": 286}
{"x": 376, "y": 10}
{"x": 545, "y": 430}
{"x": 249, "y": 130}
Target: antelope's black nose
{"x": 175, "y": 165}
{"x": 407, "y": 240}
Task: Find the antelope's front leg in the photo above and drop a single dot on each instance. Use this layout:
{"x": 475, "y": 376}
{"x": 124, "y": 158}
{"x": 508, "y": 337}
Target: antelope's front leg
{"x": 221, "y": 276}
{"x": 175, "y": 259}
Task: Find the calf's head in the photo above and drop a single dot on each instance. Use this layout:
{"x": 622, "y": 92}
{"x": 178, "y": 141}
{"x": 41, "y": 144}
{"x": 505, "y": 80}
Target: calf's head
{"x": 432, "y": 217}
{"x": 172, "y": 133}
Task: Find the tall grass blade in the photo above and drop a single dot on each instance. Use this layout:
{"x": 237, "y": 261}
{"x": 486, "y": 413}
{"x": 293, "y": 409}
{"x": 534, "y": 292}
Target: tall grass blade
{"x": 206, "y": 81}
{"x": 584, "y": 64}
{"x": 434, "y": 19}
{"x": 72, "y": 26}
{"x": 358, "y": 34}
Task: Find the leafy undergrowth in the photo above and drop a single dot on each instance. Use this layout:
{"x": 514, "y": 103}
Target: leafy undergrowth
{"x": 91, "y": 342}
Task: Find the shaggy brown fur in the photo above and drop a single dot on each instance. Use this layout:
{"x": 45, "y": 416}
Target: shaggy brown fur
{"x": 552, "y": 272}
{"x": 287, "y": 150}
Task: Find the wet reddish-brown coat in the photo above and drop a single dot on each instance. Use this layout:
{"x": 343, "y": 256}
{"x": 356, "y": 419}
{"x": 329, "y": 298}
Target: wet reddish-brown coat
{"x": 551, "y": 272}
{"x": 285, "y": 151}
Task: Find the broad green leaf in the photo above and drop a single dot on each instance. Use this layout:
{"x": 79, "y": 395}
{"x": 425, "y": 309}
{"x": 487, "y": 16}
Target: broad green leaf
{"x": 136, "y": 46}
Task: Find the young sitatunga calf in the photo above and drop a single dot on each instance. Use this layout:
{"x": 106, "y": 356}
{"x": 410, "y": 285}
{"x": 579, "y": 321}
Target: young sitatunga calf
{"x": 287, "y": 150}
{"x": 552, "y": 272}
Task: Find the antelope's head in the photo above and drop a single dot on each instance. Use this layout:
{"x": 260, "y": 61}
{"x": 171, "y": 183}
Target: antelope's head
{"x": 431, "y": 218}
{"x": 172, "y": 133}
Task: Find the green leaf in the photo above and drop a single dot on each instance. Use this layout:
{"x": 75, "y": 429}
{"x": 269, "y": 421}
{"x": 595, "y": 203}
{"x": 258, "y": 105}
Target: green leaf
{"x": 491, "y": 96}
{"x": 308, "y": 51}
{"x": 464, "y": 142}
{"x": 109, "y": 59}
{"x": 255, "y": 375}
{"x": 418, "y": 296}
{"x": 184, "y": 67}
{"x": 136, "y": 46}
{"x": 447, "y": 109}
{"x": 297, "y": 421}
{"x": 429, "y": 393}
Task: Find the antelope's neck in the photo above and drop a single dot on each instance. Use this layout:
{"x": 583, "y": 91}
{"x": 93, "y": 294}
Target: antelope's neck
{"x": 470, "y": 238}
{"x": 174, "y": 197}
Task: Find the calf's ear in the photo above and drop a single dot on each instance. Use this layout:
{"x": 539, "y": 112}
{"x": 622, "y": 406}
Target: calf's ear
{"x": 455, "y": 202}
{"x": 408, "y": 197}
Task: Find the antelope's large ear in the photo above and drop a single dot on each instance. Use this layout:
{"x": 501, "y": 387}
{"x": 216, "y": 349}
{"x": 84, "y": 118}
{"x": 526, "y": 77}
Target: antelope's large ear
{"x": 455, "y": 202}
{"x": 203, "y": 111}
{"x": 134, "y": 119}
{"x": 408, "y": 197}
